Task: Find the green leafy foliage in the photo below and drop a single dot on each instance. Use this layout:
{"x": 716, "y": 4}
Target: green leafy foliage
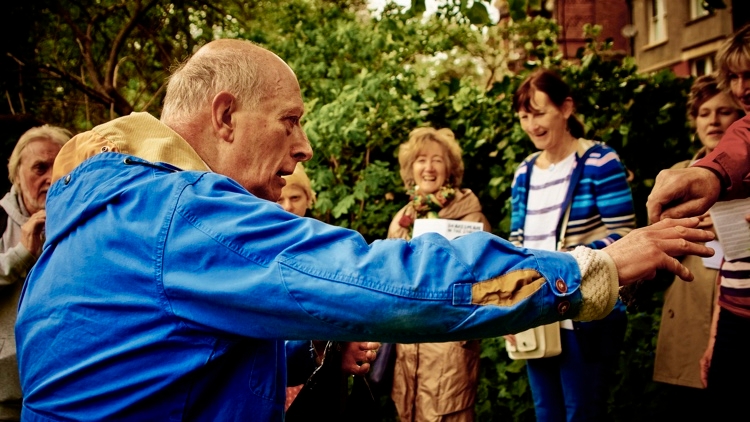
{"x": 367, "y": 82}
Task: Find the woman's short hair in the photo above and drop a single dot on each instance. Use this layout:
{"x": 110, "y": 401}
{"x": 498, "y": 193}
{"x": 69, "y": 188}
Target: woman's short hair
{"x": 548, "y": 82}
{"x": 732, "y": 54}
{"x": 703, "y": 89}
{"x": 55, "y": 134}
{"x": 299, "y": 178}
{"x": 418, "y": 138}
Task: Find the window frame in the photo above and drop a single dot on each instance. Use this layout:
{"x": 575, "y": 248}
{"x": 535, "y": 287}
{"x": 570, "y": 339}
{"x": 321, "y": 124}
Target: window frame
{"x": 657, "y": 21}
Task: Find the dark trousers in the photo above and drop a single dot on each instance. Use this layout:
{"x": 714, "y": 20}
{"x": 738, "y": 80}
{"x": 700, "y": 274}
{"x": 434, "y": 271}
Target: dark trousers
{"x": 729, "y": 375}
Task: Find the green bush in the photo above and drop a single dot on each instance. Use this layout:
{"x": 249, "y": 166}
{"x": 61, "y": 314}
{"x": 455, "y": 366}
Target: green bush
{"x": 367, "y": 83}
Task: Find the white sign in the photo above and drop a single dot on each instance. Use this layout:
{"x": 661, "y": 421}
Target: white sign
{"x": 450, "y": 229}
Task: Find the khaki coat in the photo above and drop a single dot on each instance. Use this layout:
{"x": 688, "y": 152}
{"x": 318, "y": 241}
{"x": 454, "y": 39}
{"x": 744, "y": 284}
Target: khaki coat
{"x": 438, "y": 381}
{"x": 685, "y": 322}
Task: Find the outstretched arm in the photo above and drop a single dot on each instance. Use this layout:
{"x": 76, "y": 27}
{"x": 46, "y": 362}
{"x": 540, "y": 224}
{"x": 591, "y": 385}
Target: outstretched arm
{"x": 723, "y": 174}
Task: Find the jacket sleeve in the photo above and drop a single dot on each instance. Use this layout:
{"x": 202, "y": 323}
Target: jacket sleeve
{"x": 730, "y": 161}
{"x": 613, "y": 198}
{"x": 274, "y": 275}
{"x": 15, "y": 263}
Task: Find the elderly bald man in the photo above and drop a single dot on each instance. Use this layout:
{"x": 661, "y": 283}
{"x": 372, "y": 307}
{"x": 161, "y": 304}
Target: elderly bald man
{"x": 170, "y": 281}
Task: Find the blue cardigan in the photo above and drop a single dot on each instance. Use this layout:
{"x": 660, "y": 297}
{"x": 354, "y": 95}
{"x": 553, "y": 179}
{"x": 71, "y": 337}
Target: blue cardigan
{"x": 599, "y": 196}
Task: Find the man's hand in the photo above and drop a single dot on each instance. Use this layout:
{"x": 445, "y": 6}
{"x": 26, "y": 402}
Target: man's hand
{"x": 682, "y": 193}
{"x": 356, "y": 357}
{"x": 32, "y": 233}
{"x": 643, "y": 251}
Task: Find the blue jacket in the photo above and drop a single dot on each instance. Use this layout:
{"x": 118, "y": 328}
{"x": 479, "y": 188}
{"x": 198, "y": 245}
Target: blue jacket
{"x": 166, "y": 295}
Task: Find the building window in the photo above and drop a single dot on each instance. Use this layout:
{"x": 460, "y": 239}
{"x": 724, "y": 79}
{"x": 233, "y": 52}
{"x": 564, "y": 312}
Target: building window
{"x": 702, "y": 66}
{"x": 657, "y": 24}
{"x": 696, "y": 9}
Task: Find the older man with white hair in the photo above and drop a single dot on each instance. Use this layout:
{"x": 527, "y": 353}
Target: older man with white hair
{"x": 170, "y": 279}
{"x": 22, "y": 219}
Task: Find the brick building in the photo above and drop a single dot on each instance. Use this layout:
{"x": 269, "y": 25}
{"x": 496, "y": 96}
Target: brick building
{"x": 612, "y": 15}
{"x": 681, "y": 34}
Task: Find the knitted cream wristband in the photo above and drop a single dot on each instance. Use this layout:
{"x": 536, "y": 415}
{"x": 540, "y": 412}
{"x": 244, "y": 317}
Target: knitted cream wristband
{"x": 599, "y": 283}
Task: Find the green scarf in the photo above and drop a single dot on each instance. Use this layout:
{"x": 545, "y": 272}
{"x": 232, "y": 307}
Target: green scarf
{"x": 427, "y": 206}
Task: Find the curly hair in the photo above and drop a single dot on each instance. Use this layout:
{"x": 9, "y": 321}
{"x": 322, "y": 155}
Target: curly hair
{"x": 418, "y": 138}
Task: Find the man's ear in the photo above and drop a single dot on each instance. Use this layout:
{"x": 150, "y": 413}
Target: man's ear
{"x": 567, "y": 107}
{"x": 223, "y": 107}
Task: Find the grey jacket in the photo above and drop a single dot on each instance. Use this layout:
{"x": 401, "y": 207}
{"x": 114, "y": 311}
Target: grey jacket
{"x": 15, "y": 263}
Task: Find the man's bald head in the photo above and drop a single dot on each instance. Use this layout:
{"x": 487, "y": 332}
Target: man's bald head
{"x": 236, "y": 66}
{"x": 240, "y": 107}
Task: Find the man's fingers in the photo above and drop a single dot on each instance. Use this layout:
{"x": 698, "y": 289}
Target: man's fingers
{"x": 644, "y": 251}
{"x": 654, "y": 212}
{"x": 369, "y": 345}
{"x": 676, "y": 267}
{"x": 685, "y": 246}
{"x": 362, "y": 369}
{"x": 688, "y": 208}
{"x": 676, "y": 222}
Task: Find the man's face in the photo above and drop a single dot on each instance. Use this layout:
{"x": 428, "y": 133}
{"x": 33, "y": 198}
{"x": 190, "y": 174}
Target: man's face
{"x": 35, "y": 171}
{"x": 268, "y": 139}
{"x": 294, "y": 200}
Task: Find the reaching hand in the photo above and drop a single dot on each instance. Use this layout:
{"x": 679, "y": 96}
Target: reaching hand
{"x": 643, "y": 251}
{"x": 356, "y": 357}
{"x": 681, "y": 193}
{"x": 32, "y": 233}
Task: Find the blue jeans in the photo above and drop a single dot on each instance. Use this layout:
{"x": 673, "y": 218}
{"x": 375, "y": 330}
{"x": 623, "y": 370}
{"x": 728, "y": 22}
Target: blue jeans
{"x": 574, "y": 386}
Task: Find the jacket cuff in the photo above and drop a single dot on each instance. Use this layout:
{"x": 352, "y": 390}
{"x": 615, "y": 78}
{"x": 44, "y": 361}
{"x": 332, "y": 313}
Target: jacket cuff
{"x": 599, "y": 283}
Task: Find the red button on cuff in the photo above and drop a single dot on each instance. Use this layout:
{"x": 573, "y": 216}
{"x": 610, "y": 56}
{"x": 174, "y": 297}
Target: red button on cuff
{"x": 563, "y": 307}
{"x": 561, "y": 286}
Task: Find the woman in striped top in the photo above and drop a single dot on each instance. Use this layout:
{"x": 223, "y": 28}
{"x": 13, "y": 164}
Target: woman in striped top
{"x": 577, "y": 194}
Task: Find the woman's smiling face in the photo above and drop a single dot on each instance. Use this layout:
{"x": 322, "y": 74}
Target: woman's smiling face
{"x": 545, "y": 124}
{"x": 430, "y": 169}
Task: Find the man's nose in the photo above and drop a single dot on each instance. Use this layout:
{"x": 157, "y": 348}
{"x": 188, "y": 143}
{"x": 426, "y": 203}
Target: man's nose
{"x": 302, "y": 150}
{"x": 47, "y": 177}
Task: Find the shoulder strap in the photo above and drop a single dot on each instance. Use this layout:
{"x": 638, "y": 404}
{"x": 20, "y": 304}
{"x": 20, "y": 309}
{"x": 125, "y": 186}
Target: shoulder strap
{"x": 562, "y": 225}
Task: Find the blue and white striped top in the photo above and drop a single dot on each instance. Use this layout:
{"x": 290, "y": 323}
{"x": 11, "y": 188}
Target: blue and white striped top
{"x": 601, "y": 202}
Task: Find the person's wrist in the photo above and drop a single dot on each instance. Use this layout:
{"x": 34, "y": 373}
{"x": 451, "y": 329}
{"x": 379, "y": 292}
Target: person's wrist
{"x": 599, "y": 283}
{"x": 722, "y": 179}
